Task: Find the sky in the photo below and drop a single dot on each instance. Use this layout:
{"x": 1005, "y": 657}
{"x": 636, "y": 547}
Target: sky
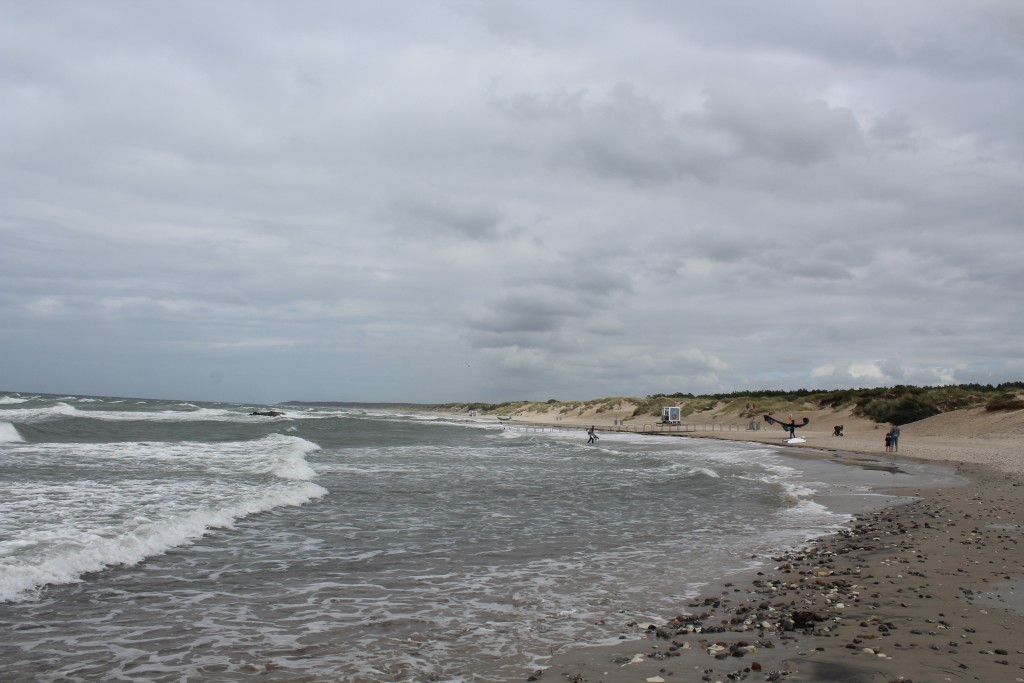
{"x": 469, "y": 200}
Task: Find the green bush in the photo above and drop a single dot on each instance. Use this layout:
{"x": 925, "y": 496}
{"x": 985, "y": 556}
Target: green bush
{"x": 835, "y": 400}
{"x": 899, "y": 404}
{"x": 912, "y": 410}
{"x": 1004, "y": 403}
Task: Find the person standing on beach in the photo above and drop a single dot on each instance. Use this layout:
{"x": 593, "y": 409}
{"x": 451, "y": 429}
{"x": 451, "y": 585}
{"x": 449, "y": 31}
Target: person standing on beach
{"x": 888, "y": 442}
{"x": 894, "y": 436}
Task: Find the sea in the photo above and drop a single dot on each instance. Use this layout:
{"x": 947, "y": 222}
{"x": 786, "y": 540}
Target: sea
{"x": 156, "y": 540}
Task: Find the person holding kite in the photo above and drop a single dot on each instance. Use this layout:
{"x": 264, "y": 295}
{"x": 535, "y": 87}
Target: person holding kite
{"x": 789, "y": 427}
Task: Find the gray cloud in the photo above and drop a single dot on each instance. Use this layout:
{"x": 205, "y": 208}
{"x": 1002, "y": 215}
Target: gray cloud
{"x": 478, "y": 200}
{"x": 433, "y": 215}
{"x": 782, "y": 125}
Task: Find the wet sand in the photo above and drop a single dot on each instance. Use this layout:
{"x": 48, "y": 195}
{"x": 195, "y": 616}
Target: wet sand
{"x": 932, "y": 590}
{"x": 927, "y": 591}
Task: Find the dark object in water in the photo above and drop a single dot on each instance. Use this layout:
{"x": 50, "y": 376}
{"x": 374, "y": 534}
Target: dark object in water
{"x": 267, "y": 413}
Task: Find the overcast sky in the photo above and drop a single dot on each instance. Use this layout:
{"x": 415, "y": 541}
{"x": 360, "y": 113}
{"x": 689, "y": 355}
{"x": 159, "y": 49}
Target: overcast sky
{"x": 259, "y": 201}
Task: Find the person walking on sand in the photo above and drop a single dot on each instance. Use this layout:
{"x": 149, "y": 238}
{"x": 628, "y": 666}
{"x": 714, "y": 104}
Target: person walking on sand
{"x": 894, "y": 437}
{"x": 592, "y": 434}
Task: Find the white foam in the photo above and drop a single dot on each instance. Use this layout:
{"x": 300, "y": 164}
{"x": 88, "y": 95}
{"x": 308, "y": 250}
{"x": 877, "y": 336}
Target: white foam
{"x": 11, "y": 399}
{"x": 9, "y": 433}
{"x": 56, "y": 410}
{"x": 62, "y": 409}
{"x": 70, "y": 552}
{"x": 119, "y": 511}
{"x": 287, "y": 456}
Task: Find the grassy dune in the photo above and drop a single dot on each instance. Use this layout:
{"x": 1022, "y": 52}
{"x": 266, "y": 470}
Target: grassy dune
{"x": 900, "y": 404}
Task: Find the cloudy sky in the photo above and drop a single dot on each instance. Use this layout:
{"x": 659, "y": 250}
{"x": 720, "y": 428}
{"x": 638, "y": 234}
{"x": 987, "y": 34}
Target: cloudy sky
{"x": 508, "y": 199}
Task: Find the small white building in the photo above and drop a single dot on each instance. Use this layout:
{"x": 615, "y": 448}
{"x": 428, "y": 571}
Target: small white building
{"x": 671, "y": 415}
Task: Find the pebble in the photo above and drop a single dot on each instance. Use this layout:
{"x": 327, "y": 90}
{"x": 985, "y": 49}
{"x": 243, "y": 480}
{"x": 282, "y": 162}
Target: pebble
{"x": 813, "y": 593}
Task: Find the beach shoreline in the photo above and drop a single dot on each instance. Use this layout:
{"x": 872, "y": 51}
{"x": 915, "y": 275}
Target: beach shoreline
{"x": 931, "y": 589}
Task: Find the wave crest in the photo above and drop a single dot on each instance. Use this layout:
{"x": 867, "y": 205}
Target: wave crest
{"x": 129, "y": 515}
{"x": 9, "y": 433}
{"x": 79, "y": 552}
{"x": 287, "y": 457}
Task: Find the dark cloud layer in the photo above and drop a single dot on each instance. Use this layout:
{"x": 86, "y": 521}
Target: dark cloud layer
{"x": 493, "y": 200}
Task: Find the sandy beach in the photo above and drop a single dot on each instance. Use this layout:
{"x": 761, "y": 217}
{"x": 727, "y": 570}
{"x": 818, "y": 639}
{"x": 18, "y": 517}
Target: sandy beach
{"x": 928, "y": 591}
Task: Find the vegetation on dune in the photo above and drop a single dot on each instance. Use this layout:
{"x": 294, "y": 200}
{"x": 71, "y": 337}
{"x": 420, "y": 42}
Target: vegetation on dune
{"x": 900, "y": 404}
{"x": 506, "y": 408}
{"x": 1006, "y": 403}
{"x": 897, "y": 410}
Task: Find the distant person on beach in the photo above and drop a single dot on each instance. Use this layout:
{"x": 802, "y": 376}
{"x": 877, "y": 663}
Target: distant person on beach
{"x": 593, "y": 435}
{"x": 888, "y": 442}
{"x": 894, "y": 435}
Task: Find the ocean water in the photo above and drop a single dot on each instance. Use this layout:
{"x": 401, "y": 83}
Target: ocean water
{"x": 186, "y": 541}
